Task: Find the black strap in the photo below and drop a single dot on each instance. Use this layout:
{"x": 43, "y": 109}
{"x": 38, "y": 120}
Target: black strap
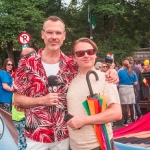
{"x": 129, "y": 77}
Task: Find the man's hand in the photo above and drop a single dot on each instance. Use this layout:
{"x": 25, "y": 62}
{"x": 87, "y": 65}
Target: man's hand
{"x": 51, "y": 99}
{"x": 112, "y": 76}
{"x": 18, "y": 108}
{"x": 76, "y": 122}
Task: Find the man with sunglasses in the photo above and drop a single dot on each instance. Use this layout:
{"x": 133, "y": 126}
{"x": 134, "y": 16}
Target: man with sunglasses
{"x": 45, "y": 110}
{"x": 81, "y": 126}
{"x": 104, "y": 67}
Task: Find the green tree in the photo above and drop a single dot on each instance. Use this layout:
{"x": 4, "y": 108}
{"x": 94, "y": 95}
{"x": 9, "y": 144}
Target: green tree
{"x": 122, "y": 26}
{"x": 18, "y": 16}
{"x": 120, "y": 29}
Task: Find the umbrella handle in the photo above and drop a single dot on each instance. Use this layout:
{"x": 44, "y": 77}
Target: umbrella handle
{"x": 88, "y": 80}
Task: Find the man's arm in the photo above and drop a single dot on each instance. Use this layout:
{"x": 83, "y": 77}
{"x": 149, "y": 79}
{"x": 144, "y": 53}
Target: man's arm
{"x": 113, "y": 113}
{"x": 112, "y": 76}
{"x": 23, "y": 101}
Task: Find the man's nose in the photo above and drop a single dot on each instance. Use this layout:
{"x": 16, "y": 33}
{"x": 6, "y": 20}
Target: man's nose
{"x": 54, "y": 35}
{"x": 86, "y": 54}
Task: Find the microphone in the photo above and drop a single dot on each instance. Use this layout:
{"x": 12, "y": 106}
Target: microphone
{"x": 52, "y": 82}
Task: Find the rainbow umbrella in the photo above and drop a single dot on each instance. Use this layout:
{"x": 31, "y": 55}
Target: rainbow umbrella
{"x": 95, "y": 104}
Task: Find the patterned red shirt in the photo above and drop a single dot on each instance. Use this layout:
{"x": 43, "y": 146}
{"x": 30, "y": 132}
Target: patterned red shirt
{"x": 44, "y": 124}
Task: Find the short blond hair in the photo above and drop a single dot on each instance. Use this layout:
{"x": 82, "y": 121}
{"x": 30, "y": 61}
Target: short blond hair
{"x": 54, "y": 18}
{"x": 27, "y": 51}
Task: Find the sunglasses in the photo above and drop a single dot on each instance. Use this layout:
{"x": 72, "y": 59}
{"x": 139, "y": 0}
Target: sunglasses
{"x": 9, "y": 64}
{"x": 82, "y": 53}
{"x": 104, "y": 66}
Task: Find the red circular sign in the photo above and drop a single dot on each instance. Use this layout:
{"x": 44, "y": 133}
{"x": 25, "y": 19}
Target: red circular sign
{"x": 24, "y": 38}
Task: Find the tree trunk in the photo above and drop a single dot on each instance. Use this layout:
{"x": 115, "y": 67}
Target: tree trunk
{"x": 106, "y": 23}
{"x": 113, "y": 25}
{"x": 10, "y": 50}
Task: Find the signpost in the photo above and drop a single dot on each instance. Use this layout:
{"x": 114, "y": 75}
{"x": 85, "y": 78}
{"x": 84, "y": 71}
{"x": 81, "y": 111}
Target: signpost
{"x": 24, "y": 39}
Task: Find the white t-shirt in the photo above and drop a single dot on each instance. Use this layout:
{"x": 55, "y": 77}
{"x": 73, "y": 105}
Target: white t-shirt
{"x": 51, "y": 69}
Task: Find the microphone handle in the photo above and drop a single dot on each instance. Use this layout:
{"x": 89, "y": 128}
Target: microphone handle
{"x": 54, "y": 89}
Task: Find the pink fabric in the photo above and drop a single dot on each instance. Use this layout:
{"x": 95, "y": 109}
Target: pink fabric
{"x": 143, "y": 124}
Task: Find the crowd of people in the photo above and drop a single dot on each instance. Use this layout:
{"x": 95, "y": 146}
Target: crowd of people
{"x": 129, "y": 86}
{"x": 42, "y": 123}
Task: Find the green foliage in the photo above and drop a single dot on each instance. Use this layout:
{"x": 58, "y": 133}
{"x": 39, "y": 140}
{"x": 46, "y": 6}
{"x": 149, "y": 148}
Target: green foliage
{"x": 122, "y": 27}
{"x": 18, "y": 16}
{"x": 76, "y": 26}
{"x": 3, "y": 55}
{"x": 110, "y": 8}
{"x": 120, "y": 46}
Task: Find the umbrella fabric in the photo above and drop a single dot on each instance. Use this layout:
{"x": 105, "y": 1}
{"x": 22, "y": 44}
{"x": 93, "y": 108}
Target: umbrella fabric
{"x": 94, "y": 105}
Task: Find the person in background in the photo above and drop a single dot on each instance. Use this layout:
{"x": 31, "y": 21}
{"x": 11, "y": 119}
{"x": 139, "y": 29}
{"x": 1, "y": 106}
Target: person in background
{"x": 114, "y": 66}
{"x": 104, "y": 67}
{"x": 137, "y": 87}
{"x": 45, "y": 110}
{"x": 145, "y": 68}
{"x": 142, "y": 67}
{"x": 127, "y": 79}
{"x": 18, "y": 117}
{"x": 98, "y": 66}
{"x": 27, "y": 52}
{"x": 81, "y": 131}
{"x": 6, "y": 84}
{"x": 137, "y": 64}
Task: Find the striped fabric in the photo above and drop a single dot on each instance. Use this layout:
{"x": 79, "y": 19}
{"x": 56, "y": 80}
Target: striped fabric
{"x": 135, "y": 134}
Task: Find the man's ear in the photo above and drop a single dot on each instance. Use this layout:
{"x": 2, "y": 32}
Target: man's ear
{"x": 64, "y": 35}
{"x": 42, "y": 34}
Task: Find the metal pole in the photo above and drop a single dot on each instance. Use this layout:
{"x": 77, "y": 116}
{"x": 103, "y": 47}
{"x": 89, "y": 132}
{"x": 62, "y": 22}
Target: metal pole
{"x": 90, "y": 13}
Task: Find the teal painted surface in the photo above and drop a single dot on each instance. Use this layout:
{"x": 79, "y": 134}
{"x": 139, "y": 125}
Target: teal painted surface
{"x": 121, "y": 146}
{"x": 7, "y": 142}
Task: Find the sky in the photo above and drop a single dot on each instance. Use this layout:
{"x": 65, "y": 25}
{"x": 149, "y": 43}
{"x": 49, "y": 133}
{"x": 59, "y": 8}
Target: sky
{"x": 67, "y": 1}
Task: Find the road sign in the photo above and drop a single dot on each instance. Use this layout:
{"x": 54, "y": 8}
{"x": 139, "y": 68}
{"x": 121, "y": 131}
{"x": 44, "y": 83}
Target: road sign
{"x": 24, "y": 38}
{"x": 24, "y": 46}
